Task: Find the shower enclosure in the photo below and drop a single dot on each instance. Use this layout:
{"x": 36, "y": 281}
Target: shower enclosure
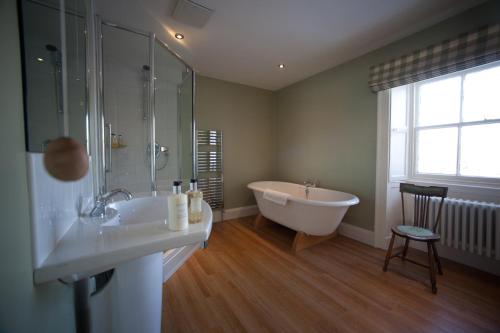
{"x": 146, "y": 111}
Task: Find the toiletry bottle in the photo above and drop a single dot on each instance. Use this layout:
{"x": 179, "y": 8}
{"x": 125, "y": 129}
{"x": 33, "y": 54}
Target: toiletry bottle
{"x": 177, "y": 208}
{"x": 114, "y": 140}
{"x": 194, "y": 202}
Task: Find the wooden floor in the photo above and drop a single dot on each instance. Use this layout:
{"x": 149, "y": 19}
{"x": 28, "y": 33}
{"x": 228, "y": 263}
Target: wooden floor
{"x": 249, "y": 281}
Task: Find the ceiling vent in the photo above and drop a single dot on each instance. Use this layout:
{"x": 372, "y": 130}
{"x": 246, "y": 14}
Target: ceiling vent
{"x": 191, "y": 13}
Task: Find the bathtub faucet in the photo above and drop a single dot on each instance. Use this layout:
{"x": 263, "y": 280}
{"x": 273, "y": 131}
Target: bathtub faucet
{"x": 308, "y": 184}
{"x": 311, "y": 183}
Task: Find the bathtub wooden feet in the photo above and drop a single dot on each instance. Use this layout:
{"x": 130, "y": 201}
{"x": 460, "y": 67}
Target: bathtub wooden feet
{"x": 260, "y": 221}
{"x": 303, "y": 241}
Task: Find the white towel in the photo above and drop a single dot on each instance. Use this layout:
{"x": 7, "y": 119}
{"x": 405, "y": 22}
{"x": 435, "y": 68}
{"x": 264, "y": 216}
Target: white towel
{"x": 279, "y": 198}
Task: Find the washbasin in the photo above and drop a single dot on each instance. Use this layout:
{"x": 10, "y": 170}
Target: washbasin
{"x": 138, "y": 211}
{"x": 129, "y": 230}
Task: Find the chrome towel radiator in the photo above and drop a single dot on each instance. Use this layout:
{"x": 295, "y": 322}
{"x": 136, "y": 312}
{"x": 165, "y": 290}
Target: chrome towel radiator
{"x": 209, "y": 167}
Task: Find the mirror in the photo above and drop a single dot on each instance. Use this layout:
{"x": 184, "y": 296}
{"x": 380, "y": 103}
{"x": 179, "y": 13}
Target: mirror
{"x": 54, "y": 68}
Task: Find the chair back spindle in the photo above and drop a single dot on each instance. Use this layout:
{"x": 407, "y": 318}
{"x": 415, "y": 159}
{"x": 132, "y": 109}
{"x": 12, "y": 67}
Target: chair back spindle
{"x": 421, "y": 203}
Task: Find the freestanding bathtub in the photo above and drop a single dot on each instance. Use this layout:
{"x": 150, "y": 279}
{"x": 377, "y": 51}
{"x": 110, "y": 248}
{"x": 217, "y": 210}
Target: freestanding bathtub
{"x": 318, "y": 215}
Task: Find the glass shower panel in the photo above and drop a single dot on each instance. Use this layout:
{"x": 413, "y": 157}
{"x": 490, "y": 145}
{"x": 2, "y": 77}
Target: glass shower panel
{"x": 186, "y": 122}
{"x": 125, "y": 65}
{"x": 173, "y": 118}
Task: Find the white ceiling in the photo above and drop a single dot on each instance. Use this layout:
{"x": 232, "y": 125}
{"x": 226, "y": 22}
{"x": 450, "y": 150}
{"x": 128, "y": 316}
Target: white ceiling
{"x": 245, "y": 40}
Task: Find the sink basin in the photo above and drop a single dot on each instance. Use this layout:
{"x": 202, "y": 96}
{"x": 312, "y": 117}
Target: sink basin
{"x": 130, "y": 229}
{"x": 138, "y": 211}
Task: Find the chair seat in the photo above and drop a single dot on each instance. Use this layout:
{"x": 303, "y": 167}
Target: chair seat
{"x": 415, "y": 233}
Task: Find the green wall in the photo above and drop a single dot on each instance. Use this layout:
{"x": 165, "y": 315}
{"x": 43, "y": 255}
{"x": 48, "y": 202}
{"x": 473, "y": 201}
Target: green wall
{"x": 327, "y": 123}
{"x": 23, "y": 307}
{"x": 245, "y": 115}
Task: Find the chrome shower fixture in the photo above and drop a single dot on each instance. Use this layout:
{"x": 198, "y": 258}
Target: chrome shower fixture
{"x": 159, "y": 150}
{"x": 145, "y": 77}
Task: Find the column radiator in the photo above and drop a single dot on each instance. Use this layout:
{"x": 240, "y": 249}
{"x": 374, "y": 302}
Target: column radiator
{"x": 469, "y": 225}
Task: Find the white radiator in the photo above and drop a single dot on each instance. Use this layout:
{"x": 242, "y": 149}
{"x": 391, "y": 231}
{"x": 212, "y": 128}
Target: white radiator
{"x": 469, "y": 225}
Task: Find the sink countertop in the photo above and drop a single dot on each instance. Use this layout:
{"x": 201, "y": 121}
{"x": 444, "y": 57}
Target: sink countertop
{"x": 90, "y": 248}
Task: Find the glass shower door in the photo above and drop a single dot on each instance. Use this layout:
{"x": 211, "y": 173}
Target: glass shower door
{"x": 126, "y": 115}
{"x": 173, "y": 118}
{"x": 186, "y": 125}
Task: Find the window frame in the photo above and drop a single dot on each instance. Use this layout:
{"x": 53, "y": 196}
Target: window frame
{"x": 412, "y": 91}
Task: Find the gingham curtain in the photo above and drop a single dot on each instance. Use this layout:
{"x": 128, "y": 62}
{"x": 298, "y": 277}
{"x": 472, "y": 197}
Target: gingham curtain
{"x": 467, "y": 50}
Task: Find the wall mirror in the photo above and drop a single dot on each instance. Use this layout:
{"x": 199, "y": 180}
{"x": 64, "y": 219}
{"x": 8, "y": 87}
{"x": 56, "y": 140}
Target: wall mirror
{"x": 54, "y": 69}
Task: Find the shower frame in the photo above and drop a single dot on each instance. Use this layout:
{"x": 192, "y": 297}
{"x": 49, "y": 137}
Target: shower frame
{"x": 103, "y": 165}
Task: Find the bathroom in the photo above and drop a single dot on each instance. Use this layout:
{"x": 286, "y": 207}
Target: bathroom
{"x": 284, "y": 92}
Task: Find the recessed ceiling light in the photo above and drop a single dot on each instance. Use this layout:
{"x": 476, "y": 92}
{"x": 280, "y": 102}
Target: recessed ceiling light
{"x": 179, "y": 35}
{"x": 39, "y": 59}
{"x": 281, "y": 66}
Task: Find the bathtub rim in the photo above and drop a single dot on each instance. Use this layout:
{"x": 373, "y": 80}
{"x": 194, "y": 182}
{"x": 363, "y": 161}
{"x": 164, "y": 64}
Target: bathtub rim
{"x": 339, "y": 203}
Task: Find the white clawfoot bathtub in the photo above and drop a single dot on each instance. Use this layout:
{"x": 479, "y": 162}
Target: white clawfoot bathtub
{"x": 318, "y": 215}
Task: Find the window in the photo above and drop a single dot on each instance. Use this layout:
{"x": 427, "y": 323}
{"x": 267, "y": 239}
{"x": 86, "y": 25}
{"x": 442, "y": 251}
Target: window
{"x": 448, "y": 127}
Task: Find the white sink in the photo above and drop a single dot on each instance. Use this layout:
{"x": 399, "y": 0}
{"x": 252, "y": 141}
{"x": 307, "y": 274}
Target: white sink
{"x": 130, "y": 229}
{"x": 138, "y": 211}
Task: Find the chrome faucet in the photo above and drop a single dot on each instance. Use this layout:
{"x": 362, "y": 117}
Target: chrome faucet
{"x": 102, "y": 201}
{"x": 308, "y": 184}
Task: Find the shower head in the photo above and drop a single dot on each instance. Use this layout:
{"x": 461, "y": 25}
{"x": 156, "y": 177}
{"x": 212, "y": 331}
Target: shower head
{"x": 51, "y": 48}
{"x": 145, "y": 74}
{"x": 55, "y": 54}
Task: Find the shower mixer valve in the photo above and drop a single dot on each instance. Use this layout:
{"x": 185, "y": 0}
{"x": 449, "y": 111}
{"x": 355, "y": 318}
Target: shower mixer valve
{"x": 160, "y": 149}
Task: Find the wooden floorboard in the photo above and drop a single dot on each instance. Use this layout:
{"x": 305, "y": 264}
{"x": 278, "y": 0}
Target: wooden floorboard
{"x": 250, "y": 280}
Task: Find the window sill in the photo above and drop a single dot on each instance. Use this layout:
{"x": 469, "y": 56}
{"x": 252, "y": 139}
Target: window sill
{"x": 479, "y": 192}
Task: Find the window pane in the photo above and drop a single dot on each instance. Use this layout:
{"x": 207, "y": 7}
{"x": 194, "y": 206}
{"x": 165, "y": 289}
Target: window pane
{"x": 482, "y": 95}
{"x": 398, "y": 107}
{"x": 439, "y": 102}
{"x": 479, "y": 155}
{"x": 437, "y": 151}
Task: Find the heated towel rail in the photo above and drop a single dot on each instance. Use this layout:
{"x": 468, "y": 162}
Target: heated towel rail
{"x": 209, "y": 167}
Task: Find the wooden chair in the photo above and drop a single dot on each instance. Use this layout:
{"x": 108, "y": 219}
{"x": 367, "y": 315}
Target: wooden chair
{"x": 422, "y": 229}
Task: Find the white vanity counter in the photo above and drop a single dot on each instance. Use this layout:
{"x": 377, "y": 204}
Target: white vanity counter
{"x": 90, "y": 247}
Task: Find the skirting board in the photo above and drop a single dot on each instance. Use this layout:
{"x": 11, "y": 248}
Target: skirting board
{"x": 234, "y": 213}
{"x": 176, "y": 258}
{"x": 359, "y": 234}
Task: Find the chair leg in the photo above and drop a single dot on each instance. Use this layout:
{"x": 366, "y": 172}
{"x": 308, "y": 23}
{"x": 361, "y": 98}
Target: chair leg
{"x": 431, "y": 267}
{"x": 389, "y": 252}
{"x": 405, "y": 250}
{"x": 436, "y": 256}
